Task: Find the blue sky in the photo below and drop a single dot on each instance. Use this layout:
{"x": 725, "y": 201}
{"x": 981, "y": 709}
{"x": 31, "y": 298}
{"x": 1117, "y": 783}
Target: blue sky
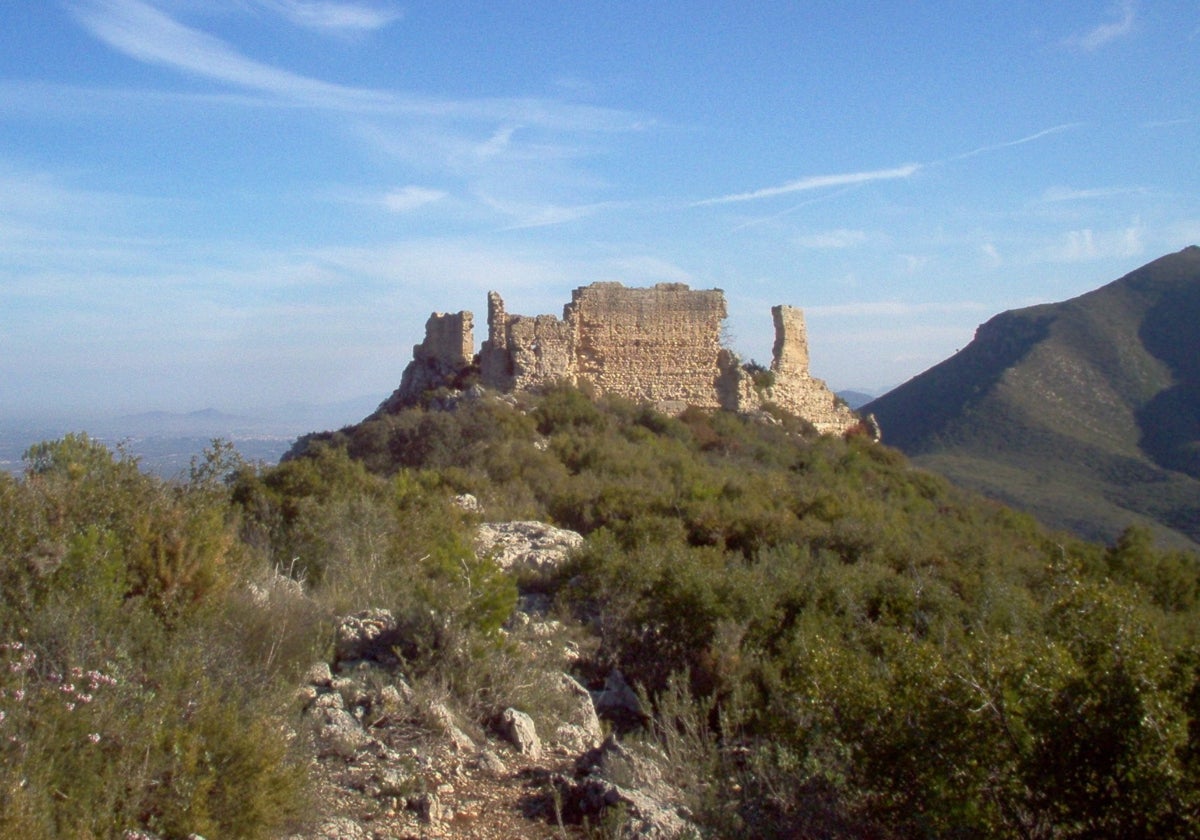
{"x": 240, "y": 203}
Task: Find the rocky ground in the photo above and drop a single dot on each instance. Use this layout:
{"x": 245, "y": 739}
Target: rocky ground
{"x": 391, "y": 762}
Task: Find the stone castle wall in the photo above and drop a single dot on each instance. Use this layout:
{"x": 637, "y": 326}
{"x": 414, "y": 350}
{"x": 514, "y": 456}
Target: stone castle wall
{"x": 523, "y": 352}
{"x": 660, "y": 344}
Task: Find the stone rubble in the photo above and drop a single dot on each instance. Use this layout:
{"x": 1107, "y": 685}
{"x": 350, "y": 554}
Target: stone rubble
{"x": 392, "y": 764}
{"x": 614, "y": 776}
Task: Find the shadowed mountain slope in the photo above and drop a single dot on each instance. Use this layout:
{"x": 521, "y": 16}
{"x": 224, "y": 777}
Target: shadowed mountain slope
{"x": 1085, "y": 413}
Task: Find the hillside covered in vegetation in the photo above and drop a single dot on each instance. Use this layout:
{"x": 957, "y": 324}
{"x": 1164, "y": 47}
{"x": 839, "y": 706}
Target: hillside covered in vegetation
{"x": 829, "y": 642}
{"x": 1085, "y": 413}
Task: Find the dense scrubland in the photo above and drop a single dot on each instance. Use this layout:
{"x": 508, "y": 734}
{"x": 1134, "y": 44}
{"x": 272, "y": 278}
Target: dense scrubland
{"x": 832, "y": 642}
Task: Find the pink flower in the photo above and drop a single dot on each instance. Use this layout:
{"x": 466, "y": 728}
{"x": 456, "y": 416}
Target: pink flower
{"x": 94, "y": 737}
{"x": 97, "y": 679}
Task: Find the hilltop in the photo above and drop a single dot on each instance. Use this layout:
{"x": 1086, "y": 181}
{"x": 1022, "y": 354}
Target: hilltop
{"x": 786, "y": 634}
{"x": 1085, "y": 413}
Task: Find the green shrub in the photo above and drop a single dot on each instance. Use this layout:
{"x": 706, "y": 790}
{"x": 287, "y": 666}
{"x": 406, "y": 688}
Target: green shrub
{"x": 125, "y": 701}
{"x": 838, "y": 644}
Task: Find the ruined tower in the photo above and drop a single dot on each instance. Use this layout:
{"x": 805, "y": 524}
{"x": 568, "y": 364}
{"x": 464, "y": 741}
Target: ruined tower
{"x": 660, "y": 344}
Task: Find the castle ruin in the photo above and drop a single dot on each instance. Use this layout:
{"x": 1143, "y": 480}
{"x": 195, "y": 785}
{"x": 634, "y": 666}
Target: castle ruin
{"x": 660, "y": 344}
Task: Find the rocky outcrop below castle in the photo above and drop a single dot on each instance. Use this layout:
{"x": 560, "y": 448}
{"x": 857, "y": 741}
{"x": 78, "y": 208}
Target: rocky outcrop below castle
{"x": 660, "y": 344}
{"x": 391, "y": 758}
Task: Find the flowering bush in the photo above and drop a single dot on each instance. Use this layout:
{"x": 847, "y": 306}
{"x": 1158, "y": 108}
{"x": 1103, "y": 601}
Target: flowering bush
{"x": 128, "y": 703}
{"x": 23, "y": 688}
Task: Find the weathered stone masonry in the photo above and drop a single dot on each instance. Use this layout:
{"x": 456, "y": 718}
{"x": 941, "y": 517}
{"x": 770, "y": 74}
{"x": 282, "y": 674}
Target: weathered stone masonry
{"x": 661, "y": 344}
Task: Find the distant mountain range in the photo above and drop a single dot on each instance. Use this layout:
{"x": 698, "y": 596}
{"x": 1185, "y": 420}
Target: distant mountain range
{"x": 287, "y": 420}
{"x": 1085, "y": 413}
{"x": 166, "y": 441}
{"x": 857, "y": 399}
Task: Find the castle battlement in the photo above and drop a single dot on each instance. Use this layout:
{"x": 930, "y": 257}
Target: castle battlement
{"x": 661, "y": 344}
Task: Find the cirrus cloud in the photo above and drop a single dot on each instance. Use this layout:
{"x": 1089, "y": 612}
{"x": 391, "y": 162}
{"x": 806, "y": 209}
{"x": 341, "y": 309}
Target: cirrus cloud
{"x": 144, "y": 33}
{"x": 816, "y": 182}
{"x": 1106, "y": 33}
{"x": 336, "y": 17}
{"x": 410, "y": 198}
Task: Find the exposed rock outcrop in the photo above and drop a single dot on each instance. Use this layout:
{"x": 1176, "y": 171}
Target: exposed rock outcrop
{"x": 581, "y": 729}
{"x": 394, "y": 759}
{"x": 518, "y": 728}
{"x": 612, "y": 775}
{"x": 391, "y": 761}
{"x": 370, "y": 636}
{"x": 534, "y": 546}
{"x": 618, "y": 702}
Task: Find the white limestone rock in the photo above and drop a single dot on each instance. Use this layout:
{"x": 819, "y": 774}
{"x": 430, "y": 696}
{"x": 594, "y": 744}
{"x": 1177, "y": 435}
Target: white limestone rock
{"x": 535, "y": 546}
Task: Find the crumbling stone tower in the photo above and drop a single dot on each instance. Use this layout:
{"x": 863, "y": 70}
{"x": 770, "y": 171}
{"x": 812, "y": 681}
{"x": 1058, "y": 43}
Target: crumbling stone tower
{"x": 660, "y": 344}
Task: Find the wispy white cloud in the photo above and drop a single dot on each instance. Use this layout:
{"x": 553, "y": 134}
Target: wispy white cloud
{"x": 530, "y": 215}
{"x": 1055, "y": 195}
{"x": 850, "y": 180}
{"x": 550, "y": 215}
{"x": 1100, "y": 36}
{"x": 26, "y": 98}
{"x": 1019, "y": 142}
{"x": 38, "y": 207}
{"x": 143, "y": 32}
{"x": 495, "y": 145}
{"x": 914, "y": 263}
{"x": 1086, "y": 244}
{"x": 787, "y": 211}
{"x": 517, "y": 149}
{"x": 991, "y": 255}
{"x": 426, "y": 270}
{"x": 410, "y": 198}
{"x": 25, "y": 194}
{"x": 832, "y": 239}
{"x": 146, "y": 34}
{"x": 337, "y": 17}
{"x": 816, "y": 182}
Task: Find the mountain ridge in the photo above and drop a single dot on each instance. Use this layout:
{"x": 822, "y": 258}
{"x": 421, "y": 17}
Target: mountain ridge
{"x": 1084, "y": 412}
